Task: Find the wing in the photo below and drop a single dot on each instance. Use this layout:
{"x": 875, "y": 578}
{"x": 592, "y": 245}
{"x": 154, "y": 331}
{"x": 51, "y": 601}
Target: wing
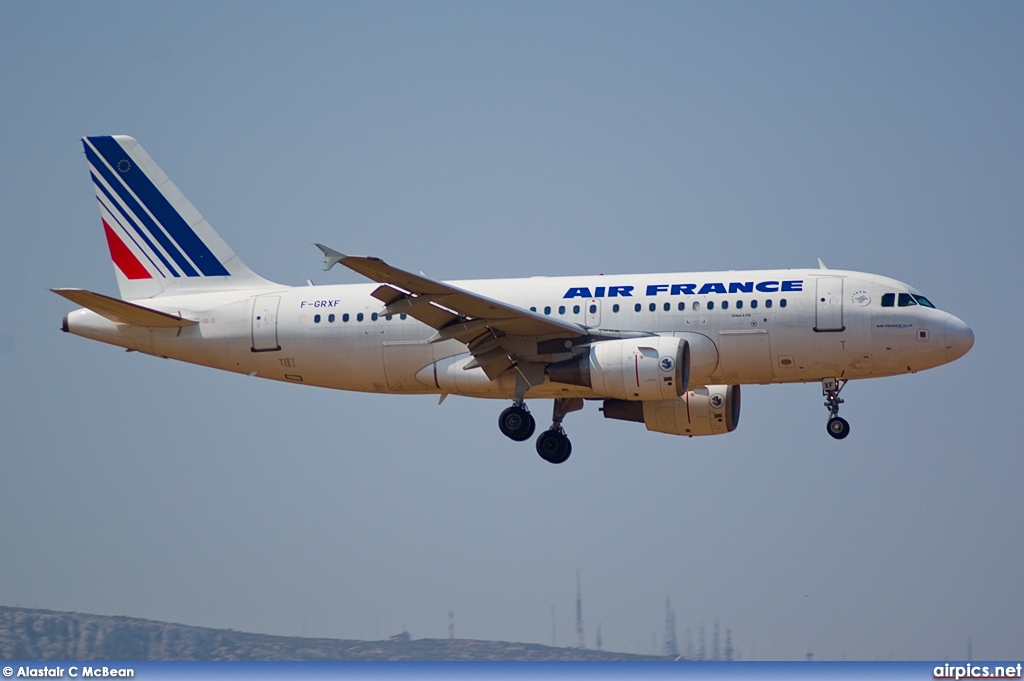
{"x": 499, "y": 335}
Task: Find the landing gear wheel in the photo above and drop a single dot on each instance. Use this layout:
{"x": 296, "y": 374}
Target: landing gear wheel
{"x": 553, "y": 446}
{"x": 516, "y": 423}
{"x": 838, "y": 427}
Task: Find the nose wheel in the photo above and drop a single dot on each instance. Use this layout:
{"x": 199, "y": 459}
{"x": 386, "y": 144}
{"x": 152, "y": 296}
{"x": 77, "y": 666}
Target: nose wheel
{"x": 837, "y": 427}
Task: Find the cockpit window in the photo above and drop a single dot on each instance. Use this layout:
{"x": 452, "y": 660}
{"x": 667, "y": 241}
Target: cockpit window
{"x": 888, "y": 299}
{"x": 921, "y": 300}
{"x": 906, "y": 300}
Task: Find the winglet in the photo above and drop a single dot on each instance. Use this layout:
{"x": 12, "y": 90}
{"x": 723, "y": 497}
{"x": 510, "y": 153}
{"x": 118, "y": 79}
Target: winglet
{"x": 331, "y": 256}
{"x": 821, "y": 265}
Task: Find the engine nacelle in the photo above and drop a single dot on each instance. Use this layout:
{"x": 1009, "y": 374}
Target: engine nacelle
{"x": 712, "y": 410}
{"x": 649, "y": 368}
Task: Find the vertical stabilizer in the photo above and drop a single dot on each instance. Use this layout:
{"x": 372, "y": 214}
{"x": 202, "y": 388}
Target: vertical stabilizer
{"x": 159, "y": 243}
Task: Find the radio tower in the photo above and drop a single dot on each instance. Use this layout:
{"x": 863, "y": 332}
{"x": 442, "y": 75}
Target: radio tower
{"x": 580, "y": 641}
{"x": 671, "y": 645}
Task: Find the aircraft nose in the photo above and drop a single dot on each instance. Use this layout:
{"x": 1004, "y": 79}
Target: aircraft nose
{"x": 959, "y": 339}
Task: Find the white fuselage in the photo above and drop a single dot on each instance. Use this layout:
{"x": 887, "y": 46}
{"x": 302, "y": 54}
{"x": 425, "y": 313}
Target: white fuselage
{"x": 766, "y": 326}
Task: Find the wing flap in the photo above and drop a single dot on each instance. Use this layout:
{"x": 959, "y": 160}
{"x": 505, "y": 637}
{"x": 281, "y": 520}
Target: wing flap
{"x": 121, "y": 312}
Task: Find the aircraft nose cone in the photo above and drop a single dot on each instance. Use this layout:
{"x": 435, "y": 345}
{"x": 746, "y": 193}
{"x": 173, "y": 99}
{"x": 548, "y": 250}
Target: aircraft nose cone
{"x": 959, "y": 339}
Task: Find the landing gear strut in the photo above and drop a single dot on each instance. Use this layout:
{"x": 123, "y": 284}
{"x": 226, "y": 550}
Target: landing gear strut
{"x": 830, "y": 388}
{"x": 517, "y": 422}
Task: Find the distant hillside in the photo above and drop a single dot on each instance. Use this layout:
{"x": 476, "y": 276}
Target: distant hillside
{"x": 27, "y": 634}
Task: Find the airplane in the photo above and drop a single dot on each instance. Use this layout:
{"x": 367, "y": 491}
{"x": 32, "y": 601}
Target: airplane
{"x": 668, "y": 350}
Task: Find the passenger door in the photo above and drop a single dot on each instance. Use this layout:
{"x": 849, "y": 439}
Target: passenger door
{"x": 828, "y": 304}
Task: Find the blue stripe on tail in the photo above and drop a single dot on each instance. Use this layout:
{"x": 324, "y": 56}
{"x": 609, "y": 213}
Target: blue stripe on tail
{"x": 179, "y": 230}
{"x": 138, "y": 230}
{"x": 143, "y": 217}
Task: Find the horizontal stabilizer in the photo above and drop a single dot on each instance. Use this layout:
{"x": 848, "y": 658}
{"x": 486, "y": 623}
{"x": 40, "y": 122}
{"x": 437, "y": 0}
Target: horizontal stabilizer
{"x": 120, "y": 312}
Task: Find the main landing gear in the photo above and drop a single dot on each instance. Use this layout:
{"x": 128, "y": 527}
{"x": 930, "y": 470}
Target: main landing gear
{"x": 517, "y": 422}
{"x": 553, "y": 445}
{"x": 830, "y": 388}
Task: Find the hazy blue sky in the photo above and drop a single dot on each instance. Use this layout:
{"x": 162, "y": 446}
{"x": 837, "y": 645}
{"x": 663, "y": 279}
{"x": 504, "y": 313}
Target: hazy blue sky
{"x": 510, "y": 139}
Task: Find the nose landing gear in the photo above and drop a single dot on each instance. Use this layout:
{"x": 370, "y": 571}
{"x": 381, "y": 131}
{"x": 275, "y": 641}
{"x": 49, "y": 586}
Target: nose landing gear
{"x": 837, "y": 427}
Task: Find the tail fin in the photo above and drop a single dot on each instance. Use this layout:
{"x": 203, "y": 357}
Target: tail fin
{"x": 159, "y": 242}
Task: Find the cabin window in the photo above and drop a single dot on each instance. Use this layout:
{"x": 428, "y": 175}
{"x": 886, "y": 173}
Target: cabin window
{"x": 593, "y": 309}
{"x": 330, "y": 318}
{"x": 768, "y": 303}
{"x": 682, "y": 306}
{"x": 725, "y": 304}
{"x": 374, "y": 316}
{"x": 575, "y": 309}
{"x": 561, "y": 309}
{"x": 316, "y": 319}
{"x": 782, "y": 303}
{"x": 615, "y": 307}
{"x": 636, "y": 308}
{"x": 888, "y": 299}
{"x": 711, "y": 305}
{"x": 753, "y": 304}
{"x": 359, "y": 317}
{"x": 652, "y": 307}
{"x": 696, "y": 305}
{"x": 344, "y": 317}
{"x": 402, "y": 316}
{"x": 547, "y": 309}
{"x": 667, "y": 306}
{"x": 739, "y": 304}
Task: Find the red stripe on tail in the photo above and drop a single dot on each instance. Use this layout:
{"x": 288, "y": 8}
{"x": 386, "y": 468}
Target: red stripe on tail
{"x": 124, "y": 258}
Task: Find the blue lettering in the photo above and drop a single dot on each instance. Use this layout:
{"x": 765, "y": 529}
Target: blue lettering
{"x": 712, "y": 288}
{"x": 656, "y": 289}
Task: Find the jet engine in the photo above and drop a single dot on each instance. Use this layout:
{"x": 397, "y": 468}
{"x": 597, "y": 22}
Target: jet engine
{"x": 711, "y": 410}
{"x": 648, "y": 368}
